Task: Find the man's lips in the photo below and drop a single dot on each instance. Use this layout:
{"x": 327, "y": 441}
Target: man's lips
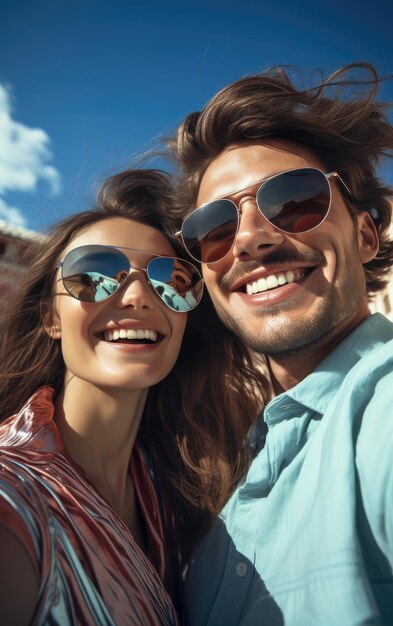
{"x": 272, "y": 281}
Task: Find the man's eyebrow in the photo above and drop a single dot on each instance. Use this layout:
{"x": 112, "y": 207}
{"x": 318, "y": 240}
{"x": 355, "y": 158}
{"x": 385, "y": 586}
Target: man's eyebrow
{"x": 228, "y": 194}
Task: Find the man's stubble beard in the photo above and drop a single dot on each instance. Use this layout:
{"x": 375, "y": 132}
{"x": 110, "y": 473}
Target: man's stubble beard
{"x": 301, "y": 336}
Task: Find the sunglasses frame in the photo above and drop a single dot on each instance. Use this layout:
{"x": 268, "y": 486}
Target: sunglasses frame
{"x": 152, "y": 255}
{"x": 261, "y": 183}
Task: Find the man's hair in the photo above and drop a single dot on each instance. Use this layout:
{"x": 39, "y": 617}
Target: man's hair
{"x": 339, "y": 120}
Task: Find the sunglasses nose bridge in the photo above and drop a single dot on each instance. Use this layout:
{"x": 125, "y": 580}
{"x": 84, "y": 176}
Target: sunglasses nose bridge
{"x": 254, "y": 231}
{"x": 245, "y": 199}
{"x": 136, "y": 291}
{"x": 253, "y": 206}
{"x": 249, "y": 210}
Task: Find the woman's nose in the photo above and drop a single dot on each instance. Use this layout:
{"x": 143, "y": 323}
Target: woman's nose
{"x": 136, "y": 292}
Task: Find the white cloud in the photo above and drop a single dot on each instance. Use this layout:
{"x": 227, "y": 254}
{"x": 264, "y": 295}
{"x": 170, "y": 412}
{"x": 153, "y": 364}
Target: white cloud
{"x": 24, "y": 156}
{"x": 11, "y": 214}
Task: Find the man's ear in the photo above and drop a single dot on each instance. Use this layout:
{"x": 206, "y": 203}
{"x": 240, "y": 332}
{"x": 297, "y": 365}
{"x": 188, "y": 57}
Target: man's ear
{"x": 50, "y": 319}
{"x": 368, "y": 240}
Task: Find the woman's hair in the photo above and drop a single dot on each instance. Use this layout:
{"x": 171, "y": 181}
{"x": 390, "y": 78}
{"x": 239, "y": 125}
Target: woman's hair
{"x": 339, "y": 120}
{"x": 196, "y": 420}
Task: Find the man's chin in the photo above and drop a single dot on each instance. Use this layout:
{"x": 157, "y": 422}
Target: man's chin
{"x": 284, "y": 338}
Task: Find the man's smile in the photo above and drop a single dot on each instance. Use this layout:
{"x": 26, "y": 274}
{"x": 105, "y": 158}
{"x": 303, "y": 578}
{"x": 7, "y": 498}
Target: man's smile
{"x": 274, "y": 280}
{"x": 261, "y": 278}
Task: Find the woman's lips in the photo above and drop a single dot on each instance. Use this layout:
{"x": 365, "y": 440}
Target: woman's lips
{"x": 132, "y": 334}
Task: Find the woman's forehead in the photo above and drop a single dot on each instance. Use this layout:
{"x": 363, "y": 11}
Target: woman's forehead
{"x": 123, "y": 233}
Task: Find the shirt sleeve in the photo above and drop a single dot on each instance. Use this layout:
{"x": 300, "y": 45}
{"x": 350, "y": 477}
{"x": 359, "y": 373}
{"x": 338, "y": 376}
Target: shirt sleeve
{"x": 374, "y": 459}
{"x": 21, "y": 510}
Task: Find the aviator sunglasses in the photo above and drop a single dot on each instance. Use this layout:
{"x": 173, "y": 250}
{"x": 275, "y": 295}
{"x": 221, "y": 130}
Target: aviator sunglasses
{"x": 294, "y": 202}
{"x": 93, "y": 273}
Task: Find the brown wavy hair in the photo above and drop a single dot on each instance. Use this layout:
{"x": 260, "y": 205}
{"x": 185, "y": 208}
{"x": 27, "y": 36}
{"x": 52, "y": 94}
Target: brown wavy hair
{"x": 196, "y": 420}
{"x": 340, "y": 120}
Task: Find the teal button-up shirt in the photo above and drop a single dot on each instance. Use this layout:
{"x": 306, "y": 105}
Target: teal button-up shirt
{"x": 307, "y": 539}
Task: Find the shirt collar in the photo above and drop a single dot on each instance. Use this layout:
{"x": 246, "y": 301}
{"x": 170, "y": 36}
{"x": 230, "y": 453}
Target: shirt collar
{"x": 318, "y": 389}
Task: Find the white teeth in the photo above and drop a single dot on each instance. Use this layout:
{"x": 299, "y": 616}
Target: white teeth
{"x": 130, "y": 333}
{"x": 290, "y": 276}
{"x": 261, "y": 284}
{"x": 272, "y": 281}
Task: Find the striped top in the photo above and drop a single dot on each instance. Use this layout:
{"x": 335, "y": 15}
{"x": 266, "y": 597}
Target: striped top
{"x": 91, "y": 571}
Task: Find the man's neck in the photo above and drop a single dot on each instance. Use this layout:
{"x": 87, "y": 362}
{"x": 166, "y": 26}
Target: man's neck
{"x": 287, "y": 370}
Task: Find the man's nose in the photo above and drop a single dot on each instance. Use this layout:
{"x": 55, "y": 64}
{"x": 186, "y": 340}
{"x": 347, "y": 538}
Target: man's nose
{"x": 255, "y": 232}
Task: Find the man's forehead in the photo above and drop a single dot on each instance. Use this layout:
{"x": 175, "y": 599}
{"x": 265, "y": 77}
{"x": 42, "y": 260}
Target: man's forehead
{"x": 242, "y": 165}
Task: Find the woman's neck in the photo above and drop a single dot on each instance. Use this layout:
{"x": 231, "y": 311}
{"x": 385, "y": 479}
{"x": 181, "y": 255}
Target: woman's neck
{"x": 99, "y": 428}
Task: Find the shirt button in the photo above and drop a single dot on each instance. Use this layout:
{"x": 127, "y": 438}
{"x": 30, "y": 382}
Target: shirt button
{"x": 241, "y": 569}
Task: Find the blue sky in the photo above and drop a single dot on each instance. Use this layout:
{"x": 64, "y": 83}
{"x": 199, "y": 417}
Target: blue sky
{"x": 88, "y": 86}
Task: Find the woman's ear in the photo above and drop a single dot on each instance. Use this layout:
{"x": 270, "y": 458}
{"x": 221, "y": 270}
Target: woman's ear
{"x": 50, "y": 319}
{"x": 368, "y": 240}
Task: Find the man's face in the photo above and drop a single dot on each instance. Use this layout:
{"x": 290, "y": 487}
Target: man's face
{"x": 315, "y": 281}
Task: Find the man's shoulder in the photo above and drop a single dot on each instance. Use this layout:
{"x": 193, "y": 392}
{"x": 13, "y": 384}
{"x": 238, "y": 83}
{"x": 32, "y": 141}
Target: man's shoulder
{"x": 374, "y": 446}
{"x": 368, "y": 352}
{"x": 350, "y": 372}
{"x": 367, "y": 388}
{"x": 375, "y": 366}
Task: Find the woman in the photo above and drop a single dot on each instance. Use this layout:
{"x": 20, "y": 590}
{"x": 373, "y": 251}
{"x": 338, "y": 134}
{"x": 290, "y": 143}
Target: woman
{"x": 117, "y": 444}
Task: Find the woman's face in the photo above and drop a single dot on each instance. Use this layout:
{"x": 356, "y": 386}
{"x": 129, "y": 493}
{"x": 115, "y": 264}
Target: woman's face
{"x": 92, "y": 352}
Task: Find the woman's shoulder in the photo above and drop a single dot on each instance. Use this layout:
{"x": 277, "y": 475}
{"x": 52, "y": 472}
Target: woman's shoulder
{"x": 30, "y": 426}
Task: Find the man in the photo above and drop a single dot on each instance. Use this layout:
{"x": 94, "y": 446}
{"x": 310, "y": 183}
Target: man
{"x": 292, "y": 232}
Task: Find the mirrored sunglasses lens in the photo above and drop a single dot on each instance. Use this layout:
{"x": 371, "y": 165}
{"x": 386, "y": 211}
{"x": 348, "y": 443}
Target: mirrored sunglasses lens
{"x": 177, "y": 282}
{"x": 208, "y": 233}
{"x": 92, "y": 274}
{"x": 295, "y": 201}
